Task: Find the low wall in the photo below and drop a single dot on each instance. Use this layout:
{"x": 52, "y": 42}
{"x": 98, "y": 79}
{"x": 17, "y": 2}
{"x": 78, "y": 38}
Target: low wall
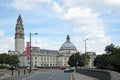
{"x": 100, "y": 74}
{"x": 1, "y": 74}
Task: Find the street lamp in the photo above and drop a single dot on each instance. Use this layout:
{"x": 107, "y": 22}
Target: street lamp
{"x": 30, "y": 52}
{"x": 86, "y": 44}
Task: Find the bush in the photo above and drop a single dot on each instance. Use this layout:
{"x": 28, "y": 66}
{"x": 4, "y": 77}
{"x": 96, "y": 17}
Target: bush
{"x": 2, "y": 66}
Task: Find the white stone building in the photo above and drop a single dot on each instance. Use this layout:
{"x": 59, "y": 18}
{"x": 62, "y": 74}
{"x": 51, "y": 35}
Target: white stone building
{"x": 91, "y": 60}
{"x": 42, "y": 57}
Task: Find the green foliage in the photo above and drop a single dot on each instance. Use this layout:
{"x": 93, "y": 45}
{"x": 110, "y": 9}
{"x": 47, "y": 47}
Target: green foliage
{"x": 110, "y": 48}
{"x": 78, "y": 60}
{"x": 85, "y": 58}
{"x": 103, "y": 62}
{"x": 3, "y": 58}
{"x": 2, "y": 66}
{"x": 9, "y": 59}
{"x": 14, "y": 60}
{"x": 110, "y": 60}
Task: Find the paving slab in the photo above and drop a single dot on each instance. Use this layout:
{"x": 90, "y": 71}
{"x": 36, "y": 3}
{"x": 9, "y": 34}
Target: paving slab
{"x": 78, "y": 76}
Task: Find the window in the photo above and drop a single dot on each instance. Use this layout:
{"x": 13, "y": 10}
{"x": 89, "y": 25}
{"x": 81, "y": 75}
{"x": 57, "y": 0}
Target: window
{"x": 41, "y": 58}
{"x": 44, "y": 58}
{"x": 35, "y": 57}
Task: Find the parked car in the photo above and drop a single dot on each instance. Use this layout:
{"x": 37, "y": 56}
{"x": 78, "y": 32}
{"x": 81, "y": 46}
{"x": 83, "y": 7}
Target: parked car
{"x": 69, "y": 69}
{"x": 63, "y": 67}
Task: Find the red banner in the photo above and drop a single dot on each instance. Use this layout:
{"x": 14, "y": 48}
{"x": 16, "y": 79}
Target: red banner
{"x": 28, "y": 51}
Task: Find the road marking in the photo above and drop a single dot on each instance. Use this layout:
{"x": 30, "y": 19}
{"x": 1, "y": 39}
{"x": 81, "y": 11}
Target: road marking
{"x": 71, "y": 76}
{"x": 31, "y": 76}
{"x": 51, "y": 76}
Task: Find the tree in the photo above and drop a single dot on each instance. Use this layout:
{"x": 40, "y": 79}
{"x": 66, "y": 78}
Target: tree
{"x": 102, "y": 61}
{"x": 74, "y": 59}
{"x": 110, "y": 60}
{"x": 110, "y": 48}
{"x": 85, "y": 58}
{"x": 9, "y": 59}
{"x": 3, "y": 58}
{"x": 14, "y": 60}
{"x": 78, "y": 60}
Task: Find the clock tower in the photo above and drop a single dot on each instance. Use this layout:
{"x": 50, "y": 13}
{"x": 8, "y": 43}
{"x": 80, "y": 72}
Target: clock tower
{"x": 19, "y": 36}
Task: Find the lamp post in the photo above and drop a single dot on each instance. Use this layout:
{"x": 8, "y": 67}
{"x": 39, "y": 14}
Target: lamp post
{"x": 86, "y": 44}
{"x": 30, "y": 52}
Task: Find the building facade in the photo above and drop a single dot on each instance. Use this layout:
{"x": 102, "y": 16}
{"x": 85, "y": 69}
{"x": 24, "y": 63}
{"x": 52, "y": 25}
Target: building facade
{"x": 42, "y": 57}
{"x": 92, "y": 56}
{"x": 49, "y": 58}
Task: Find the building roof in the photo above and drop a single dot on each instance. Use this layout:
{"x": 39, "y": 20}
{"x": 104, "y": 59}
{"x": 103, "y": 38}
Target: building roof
{"x": 45, "y": 51}
{"x": 68, "y": 45}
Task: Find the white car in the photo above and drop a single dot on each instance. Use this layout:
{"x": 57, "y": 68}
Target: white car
{"x": 69, "y": 69}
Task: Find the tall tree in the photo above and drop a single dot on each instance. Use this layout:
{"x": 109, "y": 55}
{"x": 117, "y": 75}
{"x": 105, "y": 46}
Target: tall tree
{"x": 110, "y": 48}
{"x": 9, "y": 59}
{"x": 85, "y": 58}
{"x": 78, "y": 60}
{"x": 3, "y": 58}
{"x": 110, "y": 60}
{"x": 14, "y": 60}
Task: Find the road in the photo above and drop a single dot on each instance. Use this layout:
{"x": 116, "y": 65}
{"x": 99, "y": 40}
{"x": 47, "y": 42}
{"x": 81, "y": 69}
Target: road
{"x": 44, "y": 75}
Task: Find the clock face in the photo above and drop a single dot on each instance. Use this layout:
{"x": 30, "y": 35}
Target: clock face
{"x": 21, "y": 31}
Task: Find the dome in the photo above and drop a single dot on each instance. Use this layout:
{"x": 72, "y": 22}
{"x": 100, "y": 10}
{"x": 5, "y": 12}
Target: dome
{"x": 68, "y": 45}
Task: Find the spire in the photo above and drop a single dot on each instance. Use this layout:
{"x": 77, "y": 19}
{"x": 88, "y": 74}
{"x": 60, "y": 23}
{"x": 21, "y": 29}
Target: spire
{"x": 19, "y": 23}
{"x": 68, "y": 38}
{"x": 19, "y": 18}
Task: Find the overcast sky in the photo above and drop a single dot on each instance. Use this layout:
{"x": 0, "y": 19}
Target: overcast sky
{"x": 53, "y": 20}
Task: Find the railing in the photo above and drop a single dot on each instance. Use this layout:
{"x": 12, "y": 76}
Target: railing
{"x": 100, "y": 74}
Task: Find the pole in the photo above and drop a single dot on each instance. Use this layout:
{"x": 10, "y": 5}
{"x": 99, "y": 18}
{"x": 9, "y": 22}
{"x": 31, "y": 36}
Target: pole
{"x": 74, "y": 67}
{"x": 30, "y": 55}
{"x": 12, "y": 72}
{"x": 24, "y": 67}
{"x": 30, "y": 52}
{"x": 18, "y": 69}
{"x": 86, "y": 44}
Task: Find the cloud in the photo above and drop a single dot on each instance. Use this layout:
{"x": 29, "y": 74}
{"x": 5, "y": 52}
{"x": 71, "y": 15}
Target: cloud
{"x": 84, "y": 3}
{"x": 100, "y": 3}
{"x": 1, "y": 33}
{"x": 114, "y": 2}
{"x": 85, "y": 20}
{"x": 57, "y": 8}
{"x": 97, "y": 5}
{"x": 27, "y": 4}
{"x": 6, "y": 42}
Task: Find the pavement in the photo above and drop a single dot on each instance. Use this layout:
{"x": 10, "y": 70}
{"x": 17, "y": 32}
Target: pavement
{"x": 78, "y": 76}
{"x": 5, "y": 75}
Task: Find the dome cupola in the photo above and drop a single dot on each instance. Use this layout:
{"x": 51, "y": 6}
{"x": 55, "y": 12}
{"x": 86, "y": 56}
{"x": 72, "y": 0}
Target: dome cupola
{"x": 68, "y": 45}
